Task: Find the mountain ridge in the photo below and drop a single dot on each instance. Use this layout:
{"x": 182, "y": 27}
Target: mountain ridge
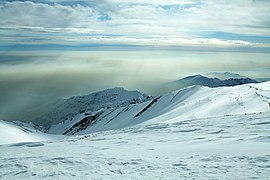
{"x": 67, "y": 109}
{"x": 185, "y": 104}
{"x": 224, "y": 75}
{"x": 212, "y": 82}
{"x": 202, "y": 80}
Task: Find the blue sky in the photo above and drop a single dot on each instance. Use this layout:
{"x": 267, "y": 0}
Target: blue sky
{"x": 165, "y": 23}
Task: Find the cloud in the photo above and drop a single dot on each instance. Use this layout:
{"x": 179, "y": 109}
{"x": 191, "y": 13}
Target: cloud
{"x": 153, "y": 22}
{"x": 42, "y": 15}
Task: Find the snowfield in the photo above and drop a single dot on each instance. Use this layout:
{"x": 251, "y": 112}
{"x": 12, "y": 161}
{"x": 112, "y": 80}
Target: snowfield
{"x": 228, "y": 147}
{"x": 193, "y": 133}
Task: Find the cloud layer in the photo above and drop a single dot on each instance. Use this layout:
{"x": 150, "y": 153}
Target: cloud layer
{"x": 155, "y": 23}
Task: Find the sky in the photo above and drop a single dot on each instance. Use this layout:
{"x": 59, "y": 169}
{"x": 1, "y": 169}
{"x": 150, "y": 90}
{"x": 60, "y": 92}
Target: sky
{"x": 52, "y": 49}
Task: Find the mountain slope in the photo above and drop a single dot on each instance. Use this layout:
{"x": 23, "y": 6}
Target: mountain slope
{"x": 190, "y": 103}
{"x": 66, "y": 110}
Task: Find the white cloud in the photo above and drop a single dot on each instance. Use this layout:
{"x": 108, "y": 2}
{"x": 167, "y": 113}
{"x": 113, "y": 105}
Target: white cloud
{"x": 43, "y": 15}
{"x": 155, "y": 22}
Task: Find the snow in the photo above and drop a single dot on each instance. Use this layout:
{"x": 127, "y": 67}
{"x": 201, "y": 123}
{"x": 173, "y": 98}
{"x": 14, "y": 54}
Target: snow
{"x": 190, "y": 103}
{"x": 225, "y": 147}
{"x": 11, "y": 133}
{"x": 202, "y": 102}
{"x": 192, "y": 133}
{"x": 66, "y": 110}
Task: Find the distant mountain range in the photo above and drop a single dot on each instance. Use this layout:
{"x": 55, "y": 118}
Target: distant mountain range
{"x": 228, "y": 75}
{"x": 212, "y": 82}
{"x": 206, "y": 81}
{"x": 224, "y": 75}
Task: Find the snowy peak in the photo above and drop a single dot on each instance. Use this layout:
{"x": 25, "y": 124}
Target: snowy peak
{"x": 110, "y": 95}
{"x": 106, "y": 99}
{"x": 114, "y": 97}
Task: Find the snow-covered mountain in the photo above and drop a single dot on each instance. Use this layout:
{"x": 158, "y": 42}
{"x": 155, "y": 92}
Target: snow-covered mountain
{"x": 203, "y": 81}
{"x": 228, "y": 75}
{"x": 211, "y": 82}
{"x": 189, "y": 103}
{"x": 66, "y": 110}
{"x": 224, "y": 75}
{"x": 192, "y": 133}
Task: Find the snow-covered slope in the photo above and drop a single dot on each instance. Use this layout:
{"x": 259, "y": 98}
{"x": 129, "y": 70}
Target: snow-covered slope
{"x": 12, "y": 133}
{"x": 185, "y": 104}
{"x": 66, "y": 110}
{"x": 227, "y": 147}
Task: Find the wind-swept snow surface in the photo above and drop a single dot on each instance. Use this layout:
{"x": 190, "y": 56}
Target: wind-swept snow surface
{"x": 225, "y": 147}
